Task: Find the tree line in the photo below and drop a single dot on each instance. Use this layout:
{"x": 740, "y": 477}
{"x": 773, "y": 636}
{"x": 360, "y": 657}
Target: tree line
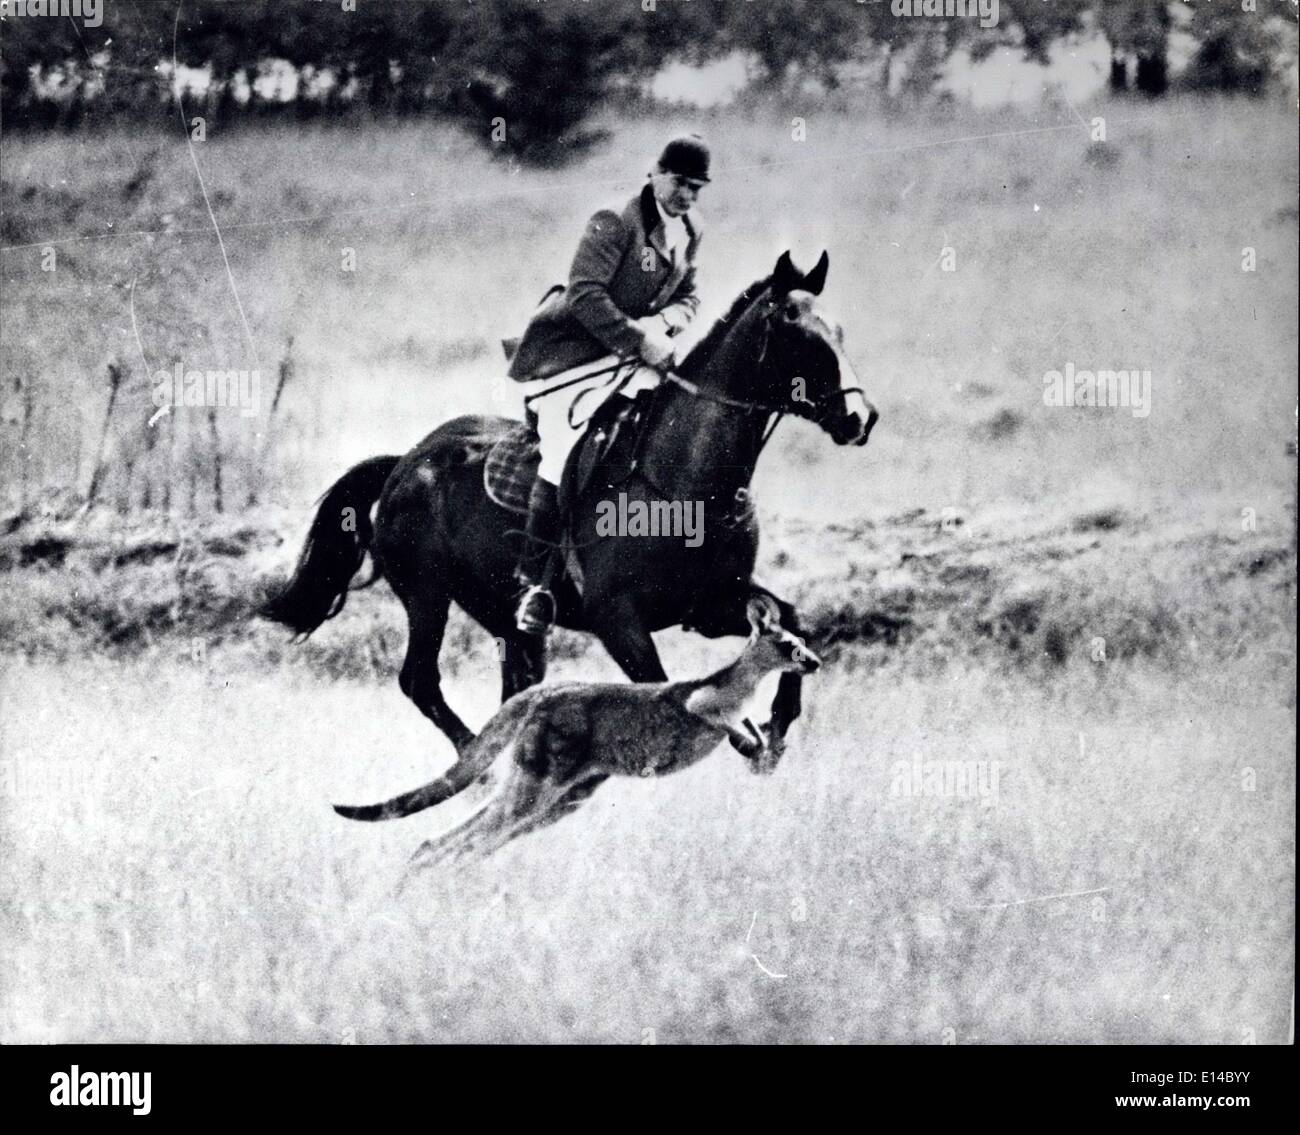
{"x": 544, "y": 66}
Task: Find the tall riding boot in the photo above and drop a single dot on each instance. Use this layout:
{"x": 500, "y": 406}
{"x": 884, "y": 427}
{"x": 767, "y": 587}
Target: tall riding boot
{"x": 536, "y": 612}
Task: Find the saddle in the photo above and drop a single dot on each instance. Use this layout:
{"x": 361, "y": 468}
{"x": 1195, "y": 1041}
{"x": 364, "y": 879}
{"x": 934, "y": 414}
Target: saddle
{"x": 607, "y": 454}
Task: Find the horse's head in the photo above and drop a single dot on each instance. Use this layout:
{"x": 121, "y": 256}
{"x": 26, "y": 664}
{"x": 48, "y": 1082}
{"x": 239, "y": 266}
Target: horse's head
{"x": 807, "y": 346}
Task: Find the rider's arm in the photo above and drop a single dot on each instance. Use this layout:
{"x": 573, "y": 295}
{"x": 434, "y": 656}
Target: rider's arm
{"x": 681, "y": 308}
{"x": 594, "y": 267}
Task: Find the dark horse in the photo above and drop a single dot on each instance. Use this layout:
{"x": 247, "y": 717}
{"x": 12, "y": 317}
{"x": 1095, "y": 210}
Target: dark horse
{"x": 437, "y": 537}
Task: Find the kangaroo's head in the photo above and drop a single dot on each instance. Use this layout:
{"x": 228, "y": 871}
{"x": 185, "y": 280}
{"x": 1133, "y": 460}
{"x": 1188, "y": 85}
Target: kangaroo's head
{"x": 773, "y": 647}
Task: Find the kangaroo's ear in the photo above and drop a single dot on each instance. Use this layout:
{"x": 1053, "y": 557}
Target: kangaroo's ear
{"x": 763, "y": 614}
{"x": 785, "y": 275}
{"x": 816, "y": 279}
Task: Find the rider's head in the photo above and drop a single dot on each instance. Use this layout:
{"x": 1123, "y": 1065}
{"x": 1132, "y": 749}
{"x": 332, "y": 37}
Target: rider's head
{"x": 681, "y": 172}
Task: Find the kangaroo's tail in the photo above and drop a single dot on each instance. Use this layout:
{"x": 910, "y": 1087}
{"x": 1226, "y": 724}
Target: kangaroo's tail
{"x": 459, "y": 777}
{"x": 498, "y": 741}
{"x": 336, "y": 546}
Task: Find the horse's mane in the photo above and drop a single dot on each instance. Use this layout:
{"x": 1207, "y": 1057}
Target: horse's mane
{"x": 703, "y": 350}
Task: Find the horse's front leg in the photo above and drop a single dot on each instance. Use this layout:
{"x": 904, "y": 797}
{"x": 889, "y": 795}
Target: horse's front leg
{"x": 523, "y": 663}
{"x": 618, "y": 624}
{"x": 724, "y": 614}
{"x": 788, "y": 703}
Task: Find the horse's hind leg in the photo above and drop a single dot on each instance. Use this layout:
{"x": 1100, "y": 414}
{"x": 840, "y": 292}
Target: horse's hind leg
{"x": 421, "y": 680}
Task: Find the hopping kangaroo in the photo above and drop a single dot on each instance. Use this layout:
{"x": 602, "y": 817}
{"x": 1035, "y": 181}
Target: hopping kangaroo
{"x": 550, "y": 747}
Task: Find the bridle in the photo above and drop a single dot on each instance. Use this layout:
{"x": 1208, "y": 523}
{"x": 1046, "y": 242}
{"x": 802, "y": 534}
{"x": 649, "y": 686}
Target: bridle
{"x": 747, "y": 406}
{"x": 743, "y": 405}
{"x": 744, "y": 500}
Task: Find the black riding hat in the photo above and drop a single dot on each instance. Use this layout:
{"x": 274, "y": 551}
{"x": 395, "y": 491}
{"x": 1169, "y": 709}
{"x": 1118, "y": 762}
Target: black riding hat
{"x": 686, "y": 156}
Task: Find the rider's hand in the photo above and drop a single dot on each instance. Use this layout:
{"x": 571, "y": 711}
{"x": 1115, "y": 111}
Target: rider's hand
{"x": 675, "y": 317}
{"x": 657, "y": 349}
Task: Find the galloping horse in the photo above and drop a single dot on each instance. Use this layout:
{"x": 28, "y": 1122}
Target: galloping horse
{"x": 438, "y": 537}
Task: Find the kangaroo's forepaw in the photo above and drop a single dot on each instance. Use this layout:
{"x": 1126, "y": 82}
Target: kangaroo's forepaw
{"x": 769, "y": 753}
{"x": 747, "y": 740}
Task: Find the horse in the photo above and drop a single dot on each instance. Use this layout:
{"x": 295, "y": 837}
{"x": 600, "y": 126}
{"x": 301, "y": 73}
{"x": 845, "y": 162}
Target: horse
{"x": 437, "y": 537}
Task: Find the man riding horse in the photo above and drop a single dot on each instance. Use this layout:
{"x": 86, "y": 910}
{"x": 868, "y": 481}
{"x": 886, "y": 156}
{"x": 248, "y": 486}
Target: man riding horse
{"x": 631, "y": 289}
{"x": 433, "y": 530}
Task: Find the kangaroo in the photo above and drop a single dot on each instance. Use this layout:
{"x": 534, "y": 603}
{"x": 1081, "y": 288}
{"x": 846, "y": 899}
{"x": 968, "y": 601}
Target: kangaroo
{"x": 551, "y": 747}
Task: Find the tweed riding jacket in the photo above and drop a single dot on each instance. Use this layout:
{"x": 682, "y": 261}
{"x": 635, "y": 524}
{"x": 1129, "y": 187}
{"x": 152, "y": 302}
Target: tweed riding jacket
{"x": 623, "y": 271}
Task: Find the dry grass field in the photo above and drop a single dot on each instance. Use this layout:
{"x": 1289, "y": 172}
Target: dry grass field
{"x": 1120, "y": 867}
{"x": 180, "y": 876}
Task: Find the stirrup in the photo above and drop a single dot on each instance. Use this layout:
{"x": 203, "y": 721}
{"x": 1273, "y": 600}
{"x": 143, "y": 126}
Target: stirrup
{"x": 536, "y": 612}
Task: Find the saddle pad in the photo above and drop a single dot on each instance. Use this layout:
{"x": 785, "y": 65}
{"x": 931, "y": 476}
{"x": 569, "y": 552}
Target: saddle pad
{"x": 511, "y": 468}
{"x": 608, "y": 449}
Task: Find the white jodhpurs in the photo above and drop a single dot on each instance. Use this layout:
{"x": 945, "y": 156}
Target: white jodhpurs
{"x": 564, "y": 404}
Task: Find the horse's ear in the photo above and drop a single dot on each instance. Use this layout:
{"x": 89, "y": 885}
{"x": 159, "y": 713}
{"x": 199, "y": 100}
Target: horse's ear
{"x": 785, "y": 275}
{"x": 816, "y": 279}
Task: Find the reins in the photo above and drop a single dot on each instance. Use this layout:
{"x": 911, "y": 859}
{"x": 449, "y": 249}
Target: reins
{"x": 745, "y": 406}
{"x": 611, "y": 369}
{"x": 628, "y": 364}
{"x": 748, "y": 407}
{"x": 697, "y": 391}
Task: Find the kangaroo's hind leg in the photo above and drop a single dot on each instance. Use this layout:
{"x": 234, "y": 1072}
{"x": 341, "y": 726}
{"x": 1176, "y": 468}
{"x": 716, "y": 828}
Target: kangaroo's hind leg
{"x": 517, "y": 795}
{"x": 462, "y": 839}
{"x": 568, "y": 801}
{"x": 534, "y": 803}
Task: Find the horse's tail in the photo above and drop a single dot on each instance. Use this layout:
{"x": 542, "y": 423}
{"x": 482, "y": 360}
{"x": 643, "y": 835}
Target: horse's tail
{"x": 336, "y": 546}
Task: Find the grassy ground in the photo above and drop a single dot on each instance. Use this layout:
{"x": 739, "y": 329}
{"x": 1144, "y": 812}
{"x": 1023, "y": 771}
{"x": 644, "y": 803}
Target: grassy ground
{"x": 174, "y": 860}
{"x": 175, "y": 872}
{"x": 1127, "y": 254}
{"x": 1102, "y": 604}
